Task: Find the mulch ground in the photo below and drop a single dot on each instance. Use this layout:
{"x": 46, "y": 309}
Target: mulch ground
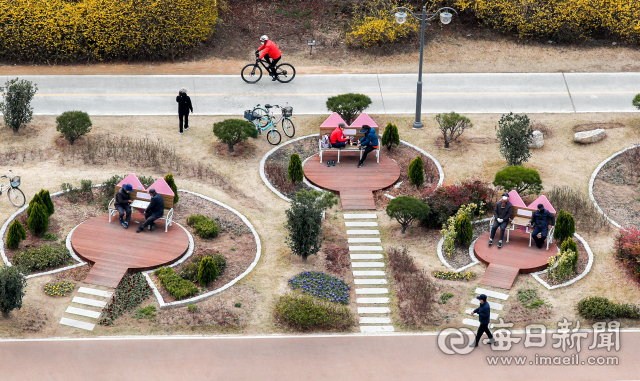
{"x": 461, "y": 255}
{"x": 275, "y": 167}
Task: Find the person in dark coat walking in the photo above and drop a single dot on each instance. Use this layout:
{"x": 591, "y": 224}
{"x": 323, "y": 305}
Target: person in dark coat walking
{"x": 484, "y": 315}
{"x": 184, "y": 105}
{"x": 501, "y": 216}
{"x": 154, "y": 211}
{"x": 123, "y": 205}
{"x": 540, "y": 221}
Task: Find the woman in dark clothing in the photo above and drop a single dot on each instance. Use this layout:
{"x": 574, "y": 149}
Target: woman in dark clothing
{"x": 184, "y": 105}
{"x": 501, "y": 216}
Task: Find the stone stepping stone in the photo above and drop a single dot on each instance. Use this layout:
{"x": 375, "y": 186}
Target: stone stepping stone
{"x": 493, "y": 305}
{"x": 375, "y": 320}
{"x": 493, "y": 316}
{"x": 374, "y": 310}
{"x": 368, "y": 273}
{"x": 365, "y": 248}
{"x": 363, "y": 240}
{"x": 77, "y": 324}
{"x": 356, "y": 216}
{"x": 89, "y": 302}
{"x": 474, "y": 323}
{"x": 372, "y": 300}
{"x": 376, "y": 328}
{"x": 366, "y": 291}
{"x": 83, "y": 312}
{"x": 359, "y": 224}
{"x": 363, "y": 232}
{"x": 370, "y": 281}
{"x": 493, "y": 294}
{"x": 367, "y": 264}
{"x": 93, "y": 291}
{"x": 365, "y": 256}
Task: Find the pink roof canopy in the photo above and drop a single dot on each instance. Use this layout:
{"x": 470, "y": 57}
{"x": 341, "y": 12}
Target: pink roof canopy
{"x": 162, "y": 187}
{"x": 363, "y": 119}
{"x": 516, "y": 200}
{"x": 542, "y": 200}
{"x": 333, "y": 120}
{"x": 133, "y": 180}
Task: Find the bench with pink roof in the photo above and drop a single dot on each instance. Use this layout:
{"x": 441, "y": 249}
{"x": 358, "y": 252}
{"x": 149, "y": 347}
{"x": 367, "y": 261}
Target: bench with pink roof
{"x": 330, "y": 124}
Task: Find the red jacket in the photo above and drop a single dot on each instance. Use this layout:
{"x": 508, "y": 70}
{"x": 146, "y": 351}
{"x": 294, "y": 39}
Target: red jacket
{"x": 337, "y": 136}
{"x": 271, "y": 49}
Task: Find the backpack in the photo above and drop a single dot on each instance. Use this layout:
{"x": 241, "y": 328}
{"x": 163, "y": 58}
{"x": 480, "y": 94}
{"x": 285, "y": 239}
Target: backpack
{"x": 325, "y": 142}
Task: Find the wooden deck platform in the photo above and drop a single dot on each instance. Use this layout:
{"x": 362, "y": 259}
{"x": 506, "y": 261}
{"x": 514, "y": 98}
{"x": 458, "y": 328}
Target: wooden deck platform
{"x": 355, "y": 185}
{"x": 115, "y": 250}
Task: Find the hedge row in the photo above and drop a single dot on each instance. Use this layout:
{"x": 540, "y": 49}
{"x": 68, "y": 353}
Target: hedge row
{"x": 63, "y": 30}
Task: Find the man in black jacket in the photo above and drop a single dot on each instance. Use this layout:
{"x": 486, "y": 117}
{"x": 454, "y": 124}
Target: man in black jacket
{"x": 184, "y": 105}
{"x": 540, "y": 221}
{"x": 154, "y": 211}
{"x": 484, "y": 315}
{"x": 501, "y": 216}
{"x": 122, "y": 204}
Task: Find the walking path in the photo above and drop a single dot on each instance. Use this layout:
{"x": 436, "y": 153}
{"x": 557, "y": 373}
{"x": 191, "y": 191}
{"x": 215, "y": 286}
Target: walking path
{"x": 91, "y": 307}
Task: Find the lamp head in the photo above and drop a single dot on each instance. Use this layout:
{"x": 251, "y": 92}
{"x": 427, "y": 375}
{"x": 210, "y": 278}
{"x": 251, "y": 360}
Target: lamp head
{"x": 445, "y": 17}
{"x": 401, "y": 17}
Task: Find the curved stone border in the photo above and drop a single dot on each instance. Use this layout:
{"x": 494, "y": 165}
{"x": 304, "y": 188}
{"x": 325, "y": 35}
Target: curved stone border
{"x": 536, "y": 275}
{"x": 593, "y": 179}
{"x": 474, "y": 260}
{"x": 201, "y": 297}
{"x": 440, "y": 171}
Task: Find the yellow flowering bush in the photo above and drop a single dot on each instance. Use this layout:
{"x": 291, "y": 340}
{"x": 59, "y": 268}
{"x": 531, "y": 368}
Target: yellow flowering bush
{"x": 63, "y": 30}
{"x": 374, "y": 24}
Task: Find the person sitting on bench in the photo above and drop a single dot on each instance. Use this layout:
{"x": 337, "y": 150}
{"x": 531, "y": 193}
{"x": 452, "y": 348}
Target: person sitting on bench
{"x": 501, "y": 215}
{"x": 154, "y": 211}
{"x": 122, "y": 204}
{"x": 337, "y": 138}
{"x": 540, "y": 223}
{"x": 369, "y": 141}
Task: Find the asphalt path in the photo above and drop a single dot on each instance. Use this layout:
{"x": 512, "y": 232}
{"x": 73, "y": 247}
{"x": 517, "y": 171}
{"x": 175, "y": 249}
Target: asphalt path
{"x": 390, "y": 93}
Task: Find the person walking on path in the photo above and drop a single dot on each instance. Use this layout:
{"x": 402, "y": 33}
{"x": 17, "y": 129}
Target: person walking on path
{"x": 369, "y": 141}
{"x": 154, "y": 211}
{"x": 184, "y": 105}
{"x": 484, "y": 315}
{"x": 123, "y": 205}
{"x": 540, "y": 221}
{"x": 501, "y": 215}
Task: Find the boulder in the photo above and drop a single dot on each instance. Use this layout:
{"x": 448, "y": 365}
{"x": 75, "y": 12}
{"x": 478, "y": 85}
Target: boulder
{"x": 537, "y": 141}
{"x": 588, "y": 137}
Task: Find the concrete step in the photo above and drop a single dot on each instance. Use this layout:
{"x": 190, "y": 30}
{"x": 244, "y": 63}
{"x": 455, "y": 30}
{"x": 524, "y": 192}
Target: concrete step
{"x": 493, "y": 305}
{"x": 359, "y": 224}
{"x": 372, "y": 300}
{"x": 363, "y": 240}
{"x": 363, "y": 232}
{"x": 370, "y": 281}
{"x": 77, "y": 324}
{"x": 368, "y": 273}
{"x": 493, "y": 294}
{"x": 376, "y": 328}
{"x": 473, "y": 323}
{"x": 365, "y": 248}
{"x": 373, "y": 310}
{"x": 375, "y": 320}
{"x": 89, "y": 302}
{"x": 365, "y": 256}
{"x": 93, "y": 291}
{"x": 372, "y": 291}
{"x": 83, "y": 312}
{"x": 358, "y": 216}
{"x": 367, "y": 264}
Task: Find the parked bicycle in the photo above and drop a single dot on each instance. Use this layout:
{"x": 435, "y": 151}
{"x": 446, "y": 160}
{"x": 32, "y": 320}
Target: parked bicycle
{"x": 252, "y": 73}
{"x": 263, "y": 119}
{"x": 16, "y": 196}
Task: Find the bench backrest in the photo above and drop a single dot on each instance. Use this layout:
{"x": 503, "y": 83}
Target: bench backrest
{"x": 144, "y": 196}
{"x": 347, "y": 131}
{"x": 521, "y": 212}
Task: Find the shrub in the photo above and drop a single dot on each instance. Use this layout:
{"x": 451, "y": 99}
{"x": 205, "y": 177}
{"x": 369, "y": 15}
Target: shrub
{"x": 86, "y": 188}
{"x": 636, "y": 101}
{"x": 148, "y": 312}
{"x": 59, "y": 288}
{"x": 73, "y": 124}
{"x": 627, "y": 248}
{"x": 221, "y": 263}
{"x": 565, "y": 226}
{"x": 195, "y": 218}
{"x": 568, "y": 245}
{"x": 444, "y": 298}
{"x": 566, "y": 265}
{"x": 449, "y": 231}
{"x": 207, "y": 271}
{"x": 45, "y": 198}
{"x": 131, "y": 291}
{"x": 12, "y": 285}
{"x": 189, "y": 270}
{"x": 452, "y": 126}
{"x": 172, "y": 184}
{"x": 41, "y": 258}
{"x": 463, "y": 228}
{"x": 453, "y": 275}
{"x": 38, "y": 221}
{"x": 17, "y": 94}
{"x": 304, "y": 221}
{"x": 373, "y": 25}
{"x": 445, "y": 201}
{"x": 15, "y": 234}
{"x": 390, "y": 137}
{"x": 206, "y": 228}
{"x": 321, "y": 285}
{"x": 416, "y": 171}
{"x": 348, "y": 105}
{"x": 580, "y": 206}
{"x": 35, "y": 200}
{"x": 514, "y": 133}
{"x": 50, "y": 237}
{"x": 294, "y": 171}
{"x": 521, "y": 179}
{"x": 530, "y": 299}
{"x": 406, "y": 210}
{"x": 234, "y": 131}
{"x": 305, "y": 313}
{"x": 597, "y": 308}
{"x": 176, "y": 286}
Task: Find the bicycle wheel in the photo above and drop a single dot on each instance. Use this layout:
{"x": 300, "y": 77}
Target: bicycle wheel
{"x": 274, "y": 137}
{"x": 16, "y": 197}
{"x": 286, "y": 72}
{"x": 263, "y": 115}
{"x": 288, "y": 128}
{"x": 251, "y": 73}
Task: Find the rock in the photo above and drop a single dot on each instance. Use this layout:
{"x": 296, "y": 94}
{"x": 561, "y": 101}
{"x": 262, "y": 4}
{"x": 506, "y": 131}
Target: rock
{"x": 537, "y": 141}
{"x": 588, "y": 137}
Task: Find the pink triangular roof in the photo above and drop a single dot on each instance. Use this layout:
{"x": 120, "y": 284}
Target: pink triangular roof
{"x": 333, "y": 120}
{"x": 133, "y": 180}
{"x": 516, "y": 200}
{"x": 363, "y": 119}
{"x": 162, "y": 187}
{"x": 542, "y": 200}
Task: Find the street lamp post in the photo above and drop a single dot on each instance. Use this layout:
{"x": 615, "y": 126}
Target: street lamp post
{"x": 400, "y": 14}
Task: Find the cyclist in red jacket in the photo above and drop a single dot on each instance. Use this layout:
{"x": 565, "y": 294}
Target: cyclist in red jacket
{"x": 271, "y": 54}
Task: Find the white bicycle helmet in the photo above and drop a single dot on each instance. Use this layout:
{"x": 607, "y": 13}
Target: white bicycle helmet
{"x": 264, "y": 38}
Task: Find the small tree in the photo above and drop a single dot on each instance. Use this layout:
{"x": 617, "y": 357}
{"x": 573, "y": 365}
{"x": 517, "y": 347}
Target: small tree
{"x": 234, "y": 131}
{"x": 304, "y": 221}
{"x": 45, "y": 199}
{"x": 15, "y": 234}
{"x": 390, "y": 137}
{"x": 565, "y": 226}
{"x": 406, "y": 210}
{"x": 568, "y": 245}
{"x": 12, "y": 285}
{"x": 416, "y": 171}
{"x": 35, "y": 200}
{"x": 16, "y": 108}
{"x": 207, "y": 272}
{"x": 514, "y": 133}
{"x": 172, "y": 184}
{"x": 463, "y": 229}
{"x": 521, "y": 179}
{"x": 452, "y": 126}
{"x": 636, "y": 101}
{"x": 73, "y": 124}
{"x": 348, "y": 106}
{"x": 38, "y": 221}
{"x": 294, "y": 171}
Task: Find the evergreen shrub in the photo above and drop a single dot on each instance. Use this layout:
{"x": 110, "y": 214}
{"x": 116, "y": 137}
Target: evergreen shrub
{"x": 40, "y": 258}
{"x": 207, "y": 271}
{"x": 15, "y": 234}
{"x": 12, "y": 289}
{"x": 463, "y": 229}
{"x": 38, "y": 220}
{"x": 521, "y": 179}
{"x": 172, "y": 184}
{"x": 348, "y": 106}
{"x": 596, "y": 307}
{"x": 306, "y": 313}
{"x": 176, "y": 286}
{"x": 390, "y": 137}
{"x": 73, "y": 124}
{"x": 295, "y": 173}
{"x": 45, "y": 197}
{"x": 514, "y": 133}
{"x": 406, "y": 210}
{"x": 565, "y": 226}
{"x": 234, "y": 131}
{"x": 416, "y": 171}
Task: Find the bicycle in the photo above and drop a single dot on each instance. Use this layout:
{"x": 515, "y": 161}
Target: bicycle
{"x": 252, "y": 73}
{"x": 264, "y": 119}
{"x": 16, "y": 196}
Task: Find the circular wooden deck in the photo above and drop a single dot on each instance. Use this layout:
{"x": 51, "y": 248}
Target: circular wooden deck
{"x": 115, "y": 250}
{"x": 354, "y": 184}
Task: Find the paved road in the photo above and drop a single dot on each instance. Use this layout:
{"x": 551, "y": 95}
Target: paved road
{"x": 390, "y": 93}
{"x": 350, "y": 357}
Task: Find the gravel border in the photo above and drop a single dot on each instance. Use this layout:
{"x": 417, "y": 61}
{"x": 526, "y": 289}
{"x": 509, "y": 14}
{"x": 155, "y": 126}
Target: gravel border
{"x": 536, "y": 275}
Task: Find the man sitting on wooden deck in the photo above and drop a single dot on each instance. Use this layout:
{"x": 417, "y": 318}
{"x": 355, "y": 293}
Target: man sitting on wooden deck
{"x": 369, "y": 141}
{"x": 154, "y": 211}
{"x": 541, "y": 220}
{"x": 123, "y": 205}
{"x": 501, "y": 215}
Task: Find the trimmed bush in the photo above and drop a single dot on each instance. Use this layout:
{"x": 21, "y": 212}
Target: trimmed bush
{"x": 566, "y": 265}
{"x": 41, "y": 258}
{"x": 12, "y": 285}
{"x": 172, "y": 184}
{"x": 73, "y": 124}
{"x": 348, "y": 105}
{"x": 568, "y": 245}
{"x": 176, "y": 286}
{"x": 234, "y": 131}
{"x": 565, "y": 226}
{"x": 514, "y": 133}
{"x": 406, "y": 210}
{"x": 452, "y": 126}
{"x": 306, "y": 313}
{"x": 304, "y": 221}
{"x": 35, "y": 200}
{"x": 190, "y": 270}
{"x": 294, "y": 171}
{"x": 207, "y": 271}
{"x": 15, "y": 234}
{"x": 457, "y": 224}
{"x": 521, "y": 179}
{"x": 206, "y": 228}
{"x": 636, "y": 101}
{"x": 596, "y": 308}
{"x": 45, "y": 198}
{"x": 195, "y": 218}
{"x": 390, "y": 137}
{"x": 38, "y": 221}
{"x": 463, "y": 229}
{"x": 16, "y": 94}
{"x": 221, "y": 263}
{"x": 416, "y": 171}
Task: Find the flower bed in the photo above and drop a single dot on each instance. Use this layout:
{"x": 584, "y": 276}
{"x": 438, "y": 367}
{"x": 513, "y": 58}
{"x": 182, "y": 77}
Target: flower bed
{"x": 453, "y": 275}
{"x": 321, "y": 285}
{"x": 59, "y": 288}
{"x": 131, "y": 291}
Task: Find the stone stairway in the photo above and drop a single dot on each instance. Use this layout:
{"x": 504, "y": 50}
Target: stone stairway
{"x": 86, "y": 308}
{"x": 495, "y": 306}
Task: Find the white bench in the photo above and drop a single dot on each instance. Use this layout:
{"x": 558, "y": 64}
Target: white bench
{"x": 142, "y": 198}
{"x": 347, "y": 132}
